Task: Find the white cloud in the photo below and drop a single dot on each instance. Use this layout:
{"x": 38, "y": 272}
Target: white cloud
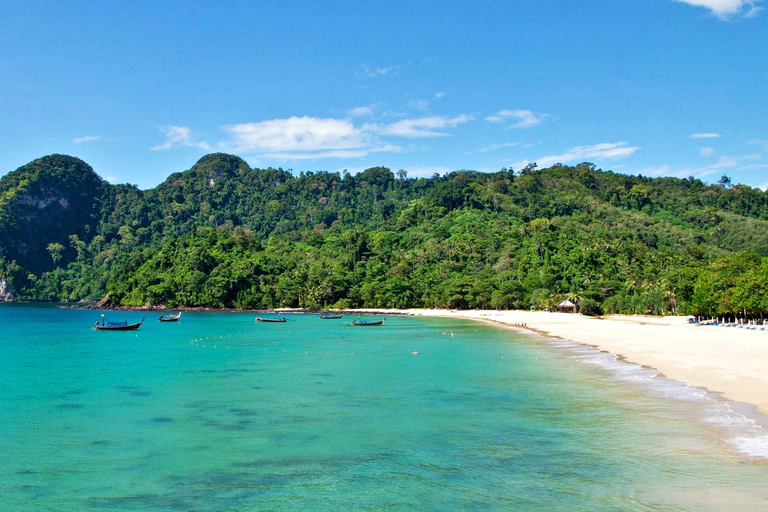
{"x": 758, "y": 142}
{"x": 725, "y": 9}
{"x": 420, "y": 127}
{"x": 439, "y": 94}
{"x": 494, "y": 147}
{"x": 704, "y": 135}
{"x": 87, "y": 138}
{"x": 418, "y": 104}
{"x": 360, "y": 111}
{"x": 723, "y": 164}
{"x": 304, "y": 138}
{"x": 522, "y": 118}
{"x": 605, "y": 151}
{"x": 727, "y": 162}
{"x": 525, "y": 118}
{"x": 297, "y": 134}
{"x": 179, "y": 136}
{"x": 706, "y": 151}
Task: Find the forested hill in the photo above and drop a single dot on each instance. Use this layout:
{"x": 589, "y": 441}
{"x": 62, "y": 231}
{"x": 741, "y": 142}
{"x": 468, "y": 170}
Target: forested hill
{"x": 224, "y": 235}
{"x": 44, "y": 203}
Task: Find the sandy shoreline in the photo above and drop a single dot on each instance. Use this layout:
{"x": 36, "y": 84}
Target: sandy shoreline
{"x": 726, "y": 360}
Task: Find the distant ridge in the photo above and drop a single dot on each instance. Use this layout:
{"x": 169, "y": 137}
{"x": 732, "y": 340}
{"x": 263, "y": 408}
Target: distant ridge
{"x": 222, "y": 234}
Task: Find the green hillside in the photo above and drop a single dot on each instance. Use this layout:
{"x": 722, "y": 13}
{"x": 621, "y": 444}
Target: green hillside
{"x": 224, "y": 235}
{"x": 45, "y": 202}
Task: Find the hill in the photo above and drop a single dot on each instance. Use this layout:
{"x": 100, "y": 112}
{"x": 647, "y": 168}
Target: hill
{"x": 42, "y": 204}
{"x": 222, "y": 234}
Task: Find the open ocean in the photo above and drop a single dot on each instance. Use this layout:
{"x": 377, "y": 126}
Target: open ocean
{"x": 216, "y": 412}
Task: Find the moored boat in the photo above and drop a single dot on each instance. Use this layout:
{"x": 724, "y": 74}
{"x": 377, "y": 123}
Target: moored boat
{"x": 117, "y": 326}
{"x": 368, "y": 322}
{"x": 330, "y": 316}
{"x": 169, "y": 318}
{"x": 279, "y": 319}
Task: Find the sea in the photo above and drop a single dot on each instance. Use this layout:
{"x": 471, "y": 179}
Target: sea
{"x": 217, "y": 412}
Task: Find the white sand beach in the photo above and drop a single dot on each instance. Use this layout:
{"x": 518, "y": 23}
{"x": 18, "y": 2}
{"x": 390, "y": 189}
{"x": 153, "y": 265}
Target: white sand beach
{"x": 728, "y": 360}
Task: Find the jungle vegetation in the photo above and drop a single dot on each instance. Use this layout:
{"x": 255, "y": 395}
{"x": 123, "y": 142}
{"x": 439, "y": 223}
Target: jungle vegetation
{"x": 223, "y": 235}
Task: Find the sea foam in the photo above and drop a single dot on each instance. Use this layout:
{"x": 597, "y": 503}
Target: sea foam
{"x": 741, "y": 432}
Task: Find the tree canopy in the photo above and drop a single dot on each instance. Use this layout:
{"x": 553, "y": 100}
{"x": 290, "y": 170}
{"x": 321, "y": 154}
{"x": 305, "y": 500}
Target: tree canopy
{"x": 225, "y": 235}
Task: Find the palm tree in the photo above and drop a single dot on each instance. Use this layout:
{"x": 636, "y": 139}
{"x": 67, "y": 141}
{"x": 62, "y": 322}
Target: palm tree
{"x": 55, "y": 249}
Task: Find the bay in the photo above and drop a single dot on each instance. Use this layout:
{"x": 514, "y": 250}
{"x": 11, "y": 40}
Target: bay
{"x": 217, "y": 412}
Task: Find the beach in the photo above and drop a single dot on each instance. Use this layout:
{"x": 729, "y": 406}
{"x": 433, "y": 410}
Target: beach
{"x": 727, "y": 360}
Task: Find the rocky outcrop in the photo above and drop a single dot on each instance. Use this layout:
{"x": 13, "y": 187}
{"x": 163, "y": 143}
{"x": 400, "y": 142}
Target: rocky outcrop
{"x": 45, "y": 202}
{"x": 105, "y": 303}
{"x": 6, "y": 292}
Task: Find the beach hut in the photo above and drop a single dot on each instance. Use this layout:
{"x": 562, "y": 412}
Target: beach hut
{"x": 567, "y": 306}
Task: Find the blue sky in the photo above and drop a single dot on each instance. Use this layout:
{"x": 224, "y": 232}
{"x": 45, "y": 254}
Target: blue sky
{"x": 143, "y": 89}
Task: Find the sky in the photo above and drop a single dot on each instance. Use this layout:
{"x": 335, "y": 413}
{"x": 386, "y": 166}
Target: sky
{"x": 142, "y": 89}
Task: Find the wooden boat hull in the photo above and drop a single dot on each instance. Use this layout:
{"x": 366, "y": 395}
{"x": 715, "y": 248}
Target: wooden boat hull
{"x": 126, "y": 327}
{"x": 330, "y": 316}
{"x": 169, "y": 318}
{"x": 270, "y": 320}
{"x": 363, "y": 323}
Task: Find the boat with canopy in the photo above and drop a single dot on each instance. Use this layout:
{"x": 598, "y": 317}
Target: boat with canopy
{"x": 116, "y": 326}
{"x": 169, "y": 318}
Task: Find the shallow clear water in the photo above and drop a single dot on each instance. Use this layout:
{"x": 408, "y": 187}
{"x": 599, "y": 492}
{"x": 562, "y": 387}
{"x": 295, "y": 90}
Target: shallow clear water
{"x": 216, "y": 412}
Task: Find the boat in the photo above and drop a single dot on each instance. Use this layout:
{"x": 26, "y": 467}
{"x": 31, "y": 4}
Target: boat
{"x": 117, "y": 326}
{"x": 272, "y": 320}
{"x": 330, "y": 316}
{"x": 169, "y": 318}
{"x": 368, "y": 322}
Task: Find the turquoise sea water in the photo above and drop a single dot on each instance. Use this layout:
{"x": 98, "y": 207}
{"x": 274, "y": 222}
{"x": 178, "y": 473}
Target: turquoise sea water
{"x": 216, "y": 412}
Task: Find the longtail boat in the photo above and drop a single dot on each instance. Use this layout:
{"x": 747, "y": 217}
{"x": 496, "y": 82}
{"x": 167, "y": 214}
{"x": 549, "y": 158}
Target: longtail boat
{"x": 368, "y": 322}
{"x": 330, "y": 316}
{"x": 271, "y": 320}
{"x": 169, "y": 318}
{"x": 117, "y": 326}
